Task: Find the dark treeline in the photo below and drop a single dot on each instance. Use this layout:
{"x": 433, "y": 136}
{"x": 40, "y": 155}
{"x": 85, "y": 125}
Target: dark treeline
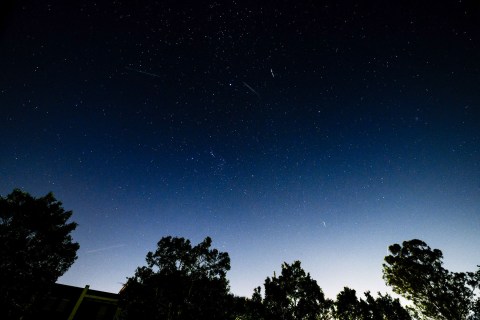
{"x": 181, "y": 281}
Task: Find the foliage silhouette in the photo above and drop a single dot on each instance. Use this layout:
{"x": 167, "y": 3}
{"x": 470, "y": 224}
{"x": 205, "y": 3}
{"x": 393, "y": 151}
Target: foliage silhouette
{"x": 294, "y": 295}
{"x": 349, "y": 307}
{"x": 253, "y": 308}
{"x": 180, "y": 281}
{"x": 36, "y": 249}
{"x": 415, "y": 272}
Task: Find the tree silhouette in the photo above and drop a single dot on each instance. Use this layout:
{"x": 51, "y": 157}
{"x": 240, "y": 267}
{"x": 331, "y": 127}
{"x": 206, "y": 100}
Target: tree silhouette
{"x": 415, "y": 271}
{"x": 253, "y": 308}
{"x": 349, "y": 307}
{"x": 179, "y": 282}
{"x": 294, "y": 295}
{"x": 36, "y": 249}
{"x": 384, "y": 307}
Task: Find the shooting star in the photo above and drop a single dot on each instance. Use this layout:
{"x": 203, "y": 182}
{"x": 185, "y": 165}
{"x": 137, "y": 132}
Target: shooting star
{"x": 105, "y": 248}
{"x": 271, "y": 71}
{"x": 250, "y": 88}
{"x": 143, "y": 72}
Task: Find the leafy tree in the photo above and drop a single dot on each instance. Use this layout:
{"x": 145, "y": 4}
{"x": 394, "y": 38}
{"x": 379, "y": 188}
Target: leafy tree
{"x": 474, "y": 282}
{"x": 349, "y": 307}
{"x": 383, "y": 307}
{"x": 475, "y": 310}
{"x": 415, "y": 271}
{"x": 179, "y": 282}
{"x": 256, "y": 308}
{"x": 36, "y": 249}
{"x": 294, "y": 295}
{"x": 253, "y": 308}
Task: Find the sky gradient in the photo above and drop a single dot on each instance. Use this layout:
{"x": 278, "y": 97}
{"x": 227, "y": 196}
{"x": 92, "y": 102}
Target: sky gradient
{"x": 285, "y": 130}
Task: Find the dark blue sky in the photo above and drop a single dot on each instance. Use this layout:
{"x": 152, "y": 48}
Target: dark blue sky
{"x": 284, "y": 130}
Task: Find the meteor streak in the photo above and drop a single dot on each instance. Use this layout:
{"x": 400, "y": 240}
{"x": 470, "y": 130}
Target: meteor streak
{"x": 250, "y": 88}
{"x": 143, "y": 72}
{"x": 105, "y": 248}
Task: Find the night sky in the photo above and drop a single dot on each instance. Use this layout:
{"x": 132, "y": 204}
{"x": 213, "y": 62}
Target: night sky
{"x": 285, "y": 130}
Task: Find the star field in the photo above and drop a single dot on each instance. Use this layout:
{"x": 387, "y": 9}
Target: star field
{"x": 285, "y": 130}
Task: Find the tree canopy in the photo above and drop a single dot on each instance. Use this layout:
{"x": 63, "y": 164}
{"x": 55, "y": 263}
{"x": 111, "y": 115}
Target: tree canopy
{"x": 180, "y": 281}
{"x": 294, "y": 295}
{"x": 349, "y": 307}
{"x": 415, "y": 272}
{"x": 36, "y": 249}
